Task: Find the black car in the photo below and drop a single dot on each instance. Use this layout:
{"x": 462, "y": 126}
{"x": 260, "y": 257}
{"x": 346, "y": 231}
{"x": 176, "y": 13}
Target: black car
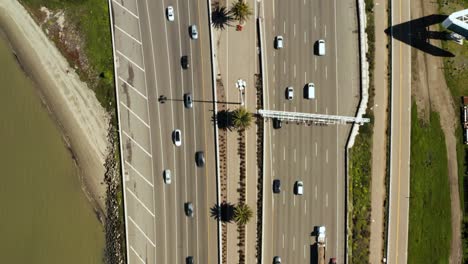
{"x": 188, "y": 209}
{"x": 276, "y": 186}
{"x": 188, "y": 101}
{"x": 200, "y": 158}
{"x": 277, "y": 124}
{"x": 185, "y": 62}
{"x": 189, "y": 260}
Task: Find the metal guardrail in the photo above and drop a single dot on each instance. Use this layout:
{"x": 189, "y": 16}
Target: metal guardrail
{"x": 262, "y": 66}
{"x": 216, "y": 131}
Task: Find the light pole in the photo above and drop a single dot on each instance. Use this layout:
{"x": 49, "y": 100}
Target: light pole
{"x": 240, "y": 84}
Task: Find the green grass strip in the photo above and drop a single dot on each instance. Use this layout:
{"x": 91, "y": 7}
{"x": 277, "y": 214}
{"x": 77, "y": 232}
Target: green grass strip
{"x": 430, "y": 230}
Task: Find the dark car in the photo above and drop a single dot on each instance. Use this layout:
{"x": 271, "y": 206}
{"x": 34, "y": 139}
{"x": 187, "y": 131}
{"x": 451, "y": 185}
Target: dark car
{"x": 188, "y": 101}
{"x": 188, "y": 209}
{"x": 276, "y": 186}
{"x": 276, "y": 260}
{"x": 189, "y": 260}
{"x": 185, "y": 62}
{"x": 277, "y": 124}
{"x": 200, "y": 158}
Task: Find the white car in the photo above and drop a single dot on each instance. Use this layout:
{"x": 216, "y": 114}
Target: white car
{"x": 279, "y": 42}
{"x": 167, "y": 176}
{"x": 170, "y": 13}
{"x": 299, "y": 188}
{"x": 177, "y": 137}
{"x": 193, "y": 32}
{"x": 289, "y": 93}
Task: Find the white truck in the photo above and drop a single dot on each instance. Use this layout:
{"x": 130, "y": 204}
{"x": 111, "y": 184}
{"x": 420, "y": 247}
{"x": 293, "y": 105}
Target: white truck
{"x": 321, "y": 243}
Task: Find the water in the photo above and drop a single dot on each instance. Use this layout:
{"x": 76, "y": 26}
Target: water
{"x": 44, "y": 215}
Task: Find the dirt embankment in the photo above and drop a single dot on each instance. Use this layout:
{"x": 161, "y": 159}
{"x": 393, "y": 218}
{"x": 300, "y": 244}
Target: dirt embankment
{"x": 83, "y": 121}
{"x": 432, "y": 94}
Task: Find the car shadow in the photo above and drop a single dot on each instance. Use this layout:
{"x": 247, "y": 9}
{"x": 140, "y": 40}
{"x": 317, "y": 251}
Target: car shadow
{"x": 416, "y": 33}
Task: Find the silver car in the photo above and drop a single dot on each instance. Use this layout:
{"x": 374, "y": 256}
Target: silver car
{"x": 188, "y": 101}
{"x": 289, "y": 93}
{"x": 279, "y": 42}
{"x": 193, "y": 32}
{"x": 277, "y": 260}
{"x": 188, "y": 209}
{"x": 167, "y": 176}
{"x": 177, "y": 137}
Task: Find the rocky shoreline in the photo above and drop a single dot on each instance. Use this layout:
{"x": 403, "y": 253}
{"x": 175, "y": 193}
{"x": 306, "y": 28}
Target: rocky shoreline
{"x": 114, "y": 229}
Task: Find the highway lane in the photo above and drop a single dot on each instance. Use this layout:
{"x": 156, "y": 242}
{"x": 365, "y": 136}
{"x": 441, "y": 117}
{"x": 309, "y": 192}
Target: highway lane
{"x": 397, "y": 248}
{"x": 313, "y": 154}
{"x": 158, "y": 230}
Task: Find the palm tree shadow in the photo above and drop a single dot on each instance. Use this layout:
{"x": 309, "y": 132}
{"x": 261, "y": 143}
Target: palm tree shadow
{"x": 416, "y": 33}
{"x": 223, "y": 212}
{"x": 224, "y": 119}
{"x": 221, "y": 17}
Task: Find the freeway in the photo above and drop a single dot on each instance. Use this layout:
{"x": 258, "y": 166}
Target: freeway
{"x": 312, "y": 154}
{"x": 148, "y": 50}
{"x": 400, "y": 138}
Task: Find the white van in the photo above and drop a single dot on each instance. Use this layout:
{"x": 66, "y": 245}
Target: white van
{"x": 321, "y": 47}
{"x": 309, "y": 92}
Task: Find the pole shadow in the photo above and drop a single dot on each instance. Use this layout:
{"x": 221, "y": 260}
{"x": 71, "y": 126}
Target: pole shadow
{"x": 416, "y": 33}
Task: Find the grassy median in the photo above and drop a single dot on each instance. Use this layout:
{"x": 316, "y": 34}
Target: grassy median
{"x": 430, "y": 228}
{"x": 360, "y": 170}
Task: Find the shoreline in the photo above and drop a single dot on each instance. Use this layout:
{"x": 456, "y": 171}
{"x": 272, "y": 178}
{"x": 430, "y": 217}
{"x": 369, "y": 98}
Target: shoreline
{"x": 81, "y": 120}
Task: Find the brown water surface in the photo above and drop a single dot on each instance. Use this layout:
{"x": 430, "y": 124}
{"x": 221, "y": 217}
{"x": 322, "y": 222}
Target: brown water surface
{"x": 45, "y": 217}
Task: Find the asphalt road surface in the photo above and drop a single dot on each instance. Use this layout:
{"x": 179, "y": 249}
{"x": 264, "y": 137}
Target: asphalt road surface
{"x": 148, "y": 56}
{"x": 400, "y": 139}
{"x": 312, "y": 154}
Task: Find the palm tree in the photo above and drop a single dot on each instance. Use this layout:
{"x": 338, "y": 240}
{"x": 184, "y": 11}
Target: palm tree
{"x": 241, "y": 118}
{"x": 242, "y": 214}
{"x": 221, "y": 17}
{"x": 241, "y": 11}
